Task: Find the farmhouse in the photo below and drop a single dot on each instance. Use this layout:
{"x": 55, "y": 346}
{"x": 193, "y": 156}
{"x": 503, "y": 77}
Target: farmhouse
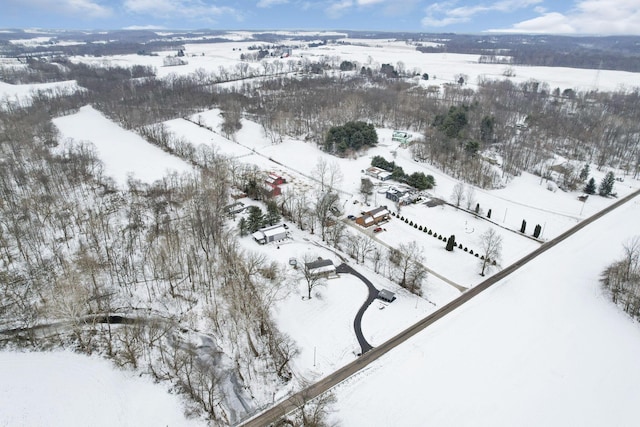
{"x": 275, "y": 179}
{"x": 321, "y": 267}
{"x": 274, "y": 233}
{"x": 378, "y": 173}
{"x": 373, "y": 217}
{"x": 395, "y": 195}
{"x": 271, "y": 184}
{"x": 401, "y": 137}
{"x": 270, "y": 190}
{"x": 402, "y": 197}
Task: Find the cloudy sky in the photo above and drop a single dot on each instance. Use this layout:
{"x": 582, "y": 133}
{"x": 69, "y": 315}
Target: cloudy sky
{"x": 460, "y": 16}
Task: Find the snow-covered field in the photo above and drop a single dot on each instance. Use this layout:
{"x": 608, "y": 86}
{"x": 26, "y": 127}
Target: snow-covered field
{"x": 542, "y": 347}
{"x": 124, "y": 153}
{"x": 441, "y": 67}
{"x": 21, "y": 94}
{"x": 66, "y": 389}
{"x": 323, "y": 326}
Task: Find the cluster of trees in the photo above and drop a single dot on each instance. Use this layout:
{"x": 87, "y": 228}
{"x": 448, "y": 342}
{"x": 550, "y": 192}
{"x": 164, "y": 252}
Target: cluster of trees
{"x": 352, "y": 136}
{"x": 256, "y": 219}
{"x": 74, "y": 249}
{"x": 605, "y": 188}
{"x": 612, "y": 53}
{"x": 621, "y": 279}
{"x": 417, "y": 179}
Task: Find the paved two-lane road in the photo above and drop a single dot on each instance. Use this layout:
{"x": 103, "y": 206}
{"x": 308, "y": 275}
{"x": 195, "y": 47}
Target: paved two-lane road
{"x": 283, "y": 407}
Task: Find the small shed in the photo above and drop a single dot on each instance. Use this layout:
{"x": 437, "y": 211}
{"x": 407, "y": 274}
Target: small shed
{"x": 321, "y": 267}
{"x": 386, "y": 295}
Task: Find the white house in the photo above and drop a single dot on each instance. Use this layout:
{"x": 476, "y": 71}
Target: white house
{"x": 321, "y": 267}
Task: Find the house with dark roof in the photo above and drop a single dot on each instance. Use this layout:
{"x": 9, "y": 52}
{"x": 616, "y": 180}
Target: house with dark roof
{"x": 321, "y": 267}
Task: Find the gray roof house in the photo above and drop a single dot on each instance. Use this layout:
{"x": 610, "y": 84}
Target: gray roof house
{"x": 322, "y": 267}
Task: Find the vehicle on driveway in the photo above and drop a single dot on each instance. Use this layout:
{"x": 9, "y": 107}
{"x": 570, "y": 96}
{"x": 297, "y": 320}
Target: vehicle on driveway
{"x": 377, "y": 229}
{"x": 351, "y": 217}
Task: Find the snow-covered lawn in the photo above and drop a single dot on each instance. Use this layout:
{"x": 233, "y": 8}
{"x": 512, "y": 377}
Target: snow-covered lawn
{"x": 542, "y": 347}
{"x": 123, "y": 152}
{"x": 68, "y": 389}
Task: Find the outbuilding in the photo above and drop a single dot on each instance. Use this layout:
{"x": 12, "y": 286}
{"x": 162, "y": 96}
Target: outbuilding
{"x": 386, "y": 295}
{"x": 274, "y": 233}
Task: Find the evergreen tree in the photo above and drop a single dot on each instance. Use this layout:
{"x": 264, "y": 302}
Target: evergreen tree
{"x": 243, "y": 227}
{"x": 537, "y": 230}
{"x": 590, "y": 188}
{"x": 584, "y": 173}
{"x": 350, "y": 136}
{"x": 606, "y": 185}
{"x": 273, "y": 215}
{"x": 451, "y": 243}
{"x": 256, "y": 219}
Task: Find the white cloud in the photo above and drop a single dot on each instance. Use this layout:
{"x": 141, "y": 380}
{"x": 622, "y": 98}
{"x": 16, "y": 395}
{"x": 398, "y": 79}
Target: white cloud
{"x": 144, "y": 27}
{"x": 83, "y": 8}
{"x": 586, "y": 17}
{"x": 192, "y": 10}
{"x": 339, "y": 8}
{"x": 446, "y": 13}
{"x": 269, "y": 3}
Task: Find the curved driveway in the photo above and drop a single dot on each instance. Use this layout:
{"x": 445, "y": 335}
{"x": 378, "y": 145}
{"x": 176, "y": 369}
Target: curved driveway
{"x": 373, "y": 294}
{"x": 294, "y": 401}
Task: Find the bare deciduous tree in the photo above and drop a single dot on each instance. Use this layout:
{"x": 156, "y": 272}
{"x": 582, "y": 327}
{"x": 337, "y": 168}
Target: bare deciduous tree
{"x": 407, "y": 266}
{"x": 457, "y": 195}
{"x": 311, "y": 276}
{"x": 491, "y": 249}
{"x": 366, "y": 188}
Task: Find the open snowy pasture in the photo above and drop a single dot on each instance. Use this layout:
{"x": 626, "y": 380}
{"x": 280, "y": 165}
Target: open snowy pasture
{"x": 22, "y": 94}
{"x": 442, "y": 67}
{"x": 542, "y": 347}
{"x": 123, "y": 152}
{"x": 445, "y": 67}
{"x": 68, "y": 389}
{"x": 197, "y": 135}
{"x": 461, "y": 267}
